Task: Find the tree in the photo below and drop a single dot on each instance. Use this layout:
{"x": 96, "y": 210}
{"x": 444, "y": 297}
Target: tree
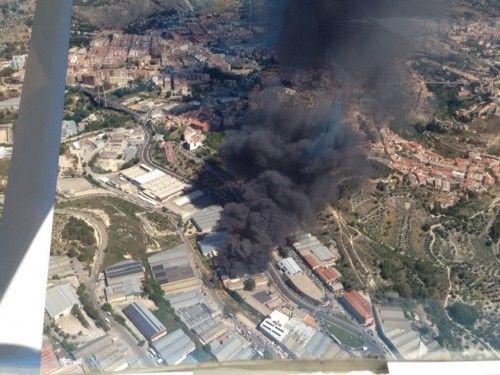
{"x": 283, "y": 251}
{"x": 107, "y": 307}
{"x": 249, "y": 284}
{"x": 463, "y": 313}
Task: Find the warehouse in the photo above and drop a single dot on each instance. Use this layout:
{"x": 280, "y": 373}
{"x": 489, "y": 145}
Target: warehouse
{"x": 195, "y": 314}
{"x": 231, "y": 347}
{"x": 172, "y": 270}
{"x": 104, "y": 354}
{"x": 127, "y": 289}
{"x": 121, "y": 271}
{"x": 308, "y": 244}
{"x": 145, "y": 321}
{"x": 209, "y": 330}
{"x": 161, "y": 188}
{"x": 328, "y": 275}
{"x": 208, "y": 219}
{"x": 210, "y": 245}
{"x": 174, "y": 347}
{"x": 274, "y": 326}
{"x": 60, "y": 300}
{"x": 306, "y": 287}
{"x": 289, "y": 266}
{"x": 358, "y": 306}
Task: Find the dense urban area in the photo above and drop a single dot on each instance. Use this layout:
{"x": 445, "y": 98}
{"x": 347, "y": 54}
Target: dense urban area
{"x": 400, "y": 263}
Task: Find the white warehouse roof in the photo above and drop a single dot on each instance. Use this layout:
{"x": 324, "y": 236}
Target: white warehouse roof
{"x": 289, "y": 266}
{"x": 149, "y": 176}
{"x": 60, "y": 299}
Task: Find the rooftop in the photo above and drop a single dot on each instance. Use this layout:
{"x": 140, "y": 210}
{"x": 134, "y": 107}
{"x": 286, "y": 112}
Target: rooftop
{"x": 144, "y": 320}
{"x": 174, "y": 347}
{"x": 60, "y": 298}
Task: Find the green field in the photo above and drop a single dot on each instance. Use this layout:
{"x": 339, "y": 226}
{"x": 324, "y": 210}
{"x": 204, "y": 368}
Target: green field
{"x": 345, "y": 337}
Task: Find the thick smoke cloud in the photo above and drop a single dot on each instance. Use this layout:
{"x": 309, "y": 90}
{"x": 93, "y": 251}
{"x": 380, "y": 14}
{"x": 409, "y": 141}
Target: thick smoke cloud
{"x": 290, "y": 157}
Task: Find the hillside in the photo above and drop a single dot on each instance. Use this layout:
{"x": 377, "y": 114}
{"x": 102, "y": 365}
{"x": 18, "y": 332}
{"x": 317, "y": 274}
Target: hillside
{"x": 118, "y": 13}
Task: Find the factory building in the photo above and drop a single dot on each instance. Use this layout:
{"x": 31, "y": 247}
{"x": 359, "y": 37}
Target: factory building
{"x": 299, "y": 338}
{"x": 313, "y": 251}
{"x": 211, "y": 244}
{"x": 207, "y": 219}
{"x": 303, "y": 285}
{"x": 60, "y": 300}
{"x": 172, "y": 270}
{"x": 119, "y": 272}
{"x": 328, "y": 275}
{"x": 145, "y": 321}
{"x": 153, "y": 183}
{"x": 174, "y": 347}
{"x": 289, "y": 266}
{"x": 274, "y": 326}
{"x": 209, "y": 330}
{"x": 358, "y": 306}
{"x": 231, "y": 347}
{"x": 125, "y": 290}
{"x": 104, "y": 354}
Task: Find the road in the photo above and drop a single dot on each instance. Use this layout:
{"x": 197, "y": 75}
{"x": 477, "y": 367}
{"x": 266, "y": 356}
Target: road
{"x": 91, "y": 281}
{"x": 325, "y": 314}
{"x": 256, "y": 338}
{"x": 144, "y": 156}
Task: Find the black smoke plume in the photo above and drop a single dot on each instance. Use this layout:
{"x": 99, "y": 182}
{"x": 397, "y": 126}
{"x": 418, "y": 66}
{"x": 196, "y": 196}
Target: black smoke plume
{"x": 290, "y": 156}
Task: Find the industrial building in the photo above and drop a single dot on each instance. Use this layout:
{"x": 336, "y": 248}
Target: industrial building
{"x": 211, "y": 244}
{"x": 231, "y": 347}
{"x": 313, "y": 251}
{"x": 119, "y": 272}
{"x": 209, "y": 330}
{"x": 125, "y": 290}
{"x": 172, "y": 270}
{"x": 104, "y": 354}
{"x": 60, "y": 300}
{"x": 274, "y": 326}
{"x": 153, "y": 183}
{"x": 59, "y": 266}
{"x": 289, "y": 266}
{"x": 397, "y": 333}
{"x": 358, "y": 306}
{"x": 300, "y": 339}
{"x": 150, "y": 327}
{"x": 174, "y": 347}
{"x": 328, "y": 275}
{"x": 207, "y": 219}
{"x": 193, "y": 315}
{"x": 303, "y": 285}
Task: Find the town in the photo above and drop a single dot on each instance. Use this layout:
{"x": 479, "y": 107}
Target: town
{"x": 135, "y": 278}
